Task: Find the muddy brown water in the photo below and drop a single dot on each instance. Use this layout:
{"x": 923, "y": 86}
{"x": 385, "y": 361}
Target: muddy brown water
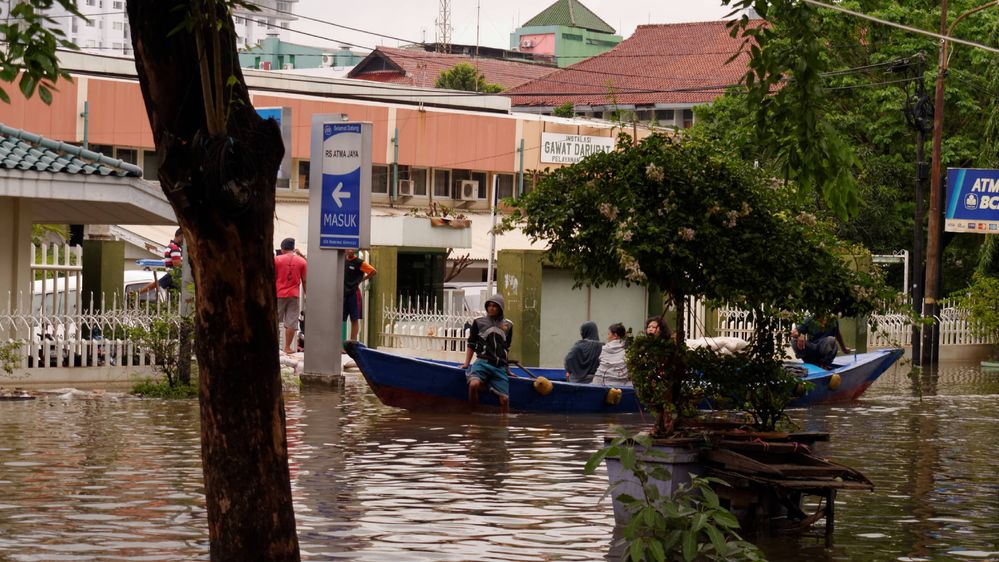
{"x": 120, "y": 478}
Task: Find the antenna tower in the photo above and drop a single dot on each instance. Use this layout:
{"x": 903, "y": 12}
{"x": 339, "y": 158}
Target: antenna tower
{"x": 444, "y": 27}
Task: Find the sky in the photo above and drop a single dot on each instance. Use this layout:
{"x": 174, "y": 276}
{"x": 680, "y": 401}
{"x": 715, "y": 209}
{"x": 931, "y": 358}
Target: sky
{"x": 413, "y": 20}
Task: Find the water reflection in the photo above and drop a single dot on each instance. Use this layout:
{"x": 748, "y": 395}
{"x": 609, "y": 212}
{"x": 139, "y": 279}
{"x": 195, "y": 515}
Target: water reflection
{"x": 120, "y": 479}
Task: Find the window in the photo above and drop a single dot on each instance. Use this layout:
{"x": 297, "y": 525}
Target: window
{"x": 572, "y": 37}
{"x": 91, "y": 2}
{"x": 284, "y": 25}
{"x": 664, "y": 116}
{"x": 379, "y": 178}
{"x": 419, "y": 177}
{"x": 105, "y": 149}
{"x": 688, "y": 118}
{"x": 442, "y": 183}
{"x": 504, "y": 185}
{"x": 304, "y": 170}
{"x": 117, "y": 5}
{"x": 481, "y": 177}
{"x": 129, "y": 155}
{"x": 150, "y": 165}
{"x": 90, "y": 23}
{"x": 118, "y": 25}
{"x": 239, "y": 20}
{"x": 76, "y": 26}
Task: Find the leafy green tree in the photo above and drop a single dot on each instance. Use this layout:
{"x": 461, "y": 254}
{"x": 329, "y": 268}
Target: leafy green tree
{"x": 803, "y": 55}
{"x": 464, "y": 76}
{"x": 564, "y": 110}
{"x": 219, "y": 167}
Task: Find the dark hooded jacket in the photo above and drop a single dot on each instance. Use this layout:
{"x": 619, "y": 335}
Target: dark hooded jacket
{"x": 584, "y": 356}
{"x": 491, "y": 337}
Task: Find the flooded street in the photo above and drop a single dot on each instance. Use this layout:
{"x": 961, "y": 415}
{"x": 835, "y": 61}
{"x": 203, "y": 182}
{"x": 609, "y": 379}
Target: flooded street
{"x": 120, "y": 479}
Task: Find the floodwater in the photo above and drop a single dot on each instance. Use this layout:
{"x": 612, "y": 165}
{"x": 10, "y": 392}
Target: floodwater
{"x": 119, "y": 478}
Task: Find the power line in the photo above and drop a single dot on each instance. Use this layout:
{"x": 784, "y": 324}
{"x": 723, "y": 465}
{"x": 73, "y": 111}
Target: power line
{"x": 900, "y": 26}
{"x": 299, "y": 16}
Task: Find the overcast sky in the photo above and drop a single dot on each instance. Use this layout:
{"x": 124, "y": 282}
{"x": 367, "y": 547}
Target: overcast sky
{"x": 413, "y": 20}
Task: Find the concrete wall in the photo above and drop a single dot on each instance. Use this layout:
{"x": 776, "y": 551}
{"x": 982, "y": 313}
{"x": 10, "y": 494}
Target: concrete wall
{"x": 564, "y": 309}
{"x": 15, "y": 249}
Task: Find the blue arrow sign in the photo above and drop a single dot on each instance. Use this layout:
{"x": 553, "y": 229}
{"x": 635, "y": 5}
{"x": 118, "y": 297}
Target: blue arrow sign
{"x": 972, "y": 201}
{"x": 339, "y": 221}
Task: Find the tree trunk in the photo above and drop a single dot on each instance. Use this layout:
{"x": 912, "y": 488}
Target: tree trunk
{"x": 221, "y": 186}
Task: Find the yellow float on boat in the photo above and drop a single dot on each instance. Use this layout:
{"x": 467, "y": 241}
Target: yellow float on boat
{"x": 834, "y": 381}
{"x": 614, "y": 396}
{"x": 543, "y": 386}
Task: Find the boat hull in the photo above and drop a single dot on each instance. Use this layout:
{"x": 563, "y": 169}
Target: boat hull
{"x": 420, "y": 384}
{"x": 856, "y": 374}
{"x": 416, "y": 384}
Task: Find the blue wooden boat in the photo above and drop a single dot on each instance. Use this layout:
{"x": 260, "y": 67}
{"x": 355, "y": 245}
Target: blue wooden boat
{"x": 420, "y": 384}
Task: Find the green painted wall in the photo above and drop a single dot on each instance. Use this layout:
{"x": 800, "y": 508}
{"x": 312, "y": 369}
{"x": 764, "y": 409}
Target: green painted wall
{"x": 519, "y": 281}
{"x": 279, "y": 53}
{"x": 103, "y": 271}
{"x": 572, "y": 44}
{"x": 382, "y": 288}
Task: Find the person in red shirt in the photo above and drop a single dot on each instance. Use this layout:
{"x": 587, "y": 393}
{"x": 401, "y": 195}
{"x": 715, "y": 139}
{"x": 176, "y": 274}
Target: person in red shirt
{"x": 289, "y": 272}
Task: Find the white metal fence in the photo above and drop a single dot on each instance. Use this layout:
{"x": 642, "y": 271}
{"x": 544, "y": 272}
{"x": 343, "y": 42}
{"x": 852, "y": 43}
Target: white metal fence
{"x": 51, "y": 328}
{"x": 426, "y": 327}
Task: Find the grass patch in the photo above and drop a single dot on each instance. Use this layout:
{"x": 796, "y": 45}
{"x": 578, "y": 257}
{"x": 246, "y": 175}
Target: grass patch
{"x": 150, "y": 388}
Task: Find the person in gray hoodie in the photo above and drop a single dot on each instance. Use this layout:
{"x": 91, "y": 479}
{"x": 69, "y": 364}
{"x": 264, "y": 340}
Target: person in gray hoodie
{"x": 489, "y": 340}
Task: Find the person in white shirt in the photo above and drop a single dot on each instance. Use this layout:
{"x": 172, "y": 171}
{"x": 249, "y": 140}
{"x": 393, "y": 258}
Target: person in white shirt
{"x": 612, "y": 370}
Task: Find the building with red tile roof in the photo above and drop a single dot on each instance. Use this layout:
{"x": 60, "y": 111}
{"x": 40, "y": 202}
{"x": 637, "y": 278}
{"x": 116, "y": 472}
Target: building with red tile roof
{"x": 416, "y": 67}
{"x": 661, "y": 72}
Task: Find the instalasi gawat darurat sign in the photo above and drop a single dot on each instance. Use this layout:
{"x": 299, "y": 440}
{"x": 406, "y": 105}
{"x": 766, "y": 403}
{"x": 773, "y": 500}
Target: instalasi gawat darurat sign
{"x": 557, "y": 148}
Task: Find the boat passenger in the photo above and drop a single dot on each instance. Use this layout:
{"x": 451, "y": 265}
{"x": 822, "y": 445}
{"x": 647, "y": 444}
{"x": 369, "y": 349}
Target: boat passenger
{"x": 815, "y": 340}
{"x": 657, "y": 326}
{"x": 489, "y": 339}
{"x": 584, "y": 356}
{"x": 612, "y": 370}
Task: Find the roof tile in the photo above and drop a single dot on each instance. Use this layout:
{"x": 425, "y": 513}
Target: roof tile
{"x": 421, "y": 68}
{"x": 570, "y": 13}
{"x": 684, "y": 63}
{"x": 23, "y": 151}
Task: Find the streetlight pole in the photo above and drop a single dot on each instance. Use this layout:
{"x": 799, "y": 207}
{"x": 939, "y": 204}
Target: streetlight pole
{"x": 931, "y": 333}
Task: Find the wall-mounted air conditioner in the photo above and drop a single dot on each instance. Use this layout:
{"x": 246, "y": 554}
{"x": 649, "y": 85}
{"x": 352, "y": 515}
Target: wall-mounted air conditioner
{"x": 468, "y": 190}
{"x": 405, "y": 188}
{"x": 526, "y": 44}
{"x": 327, "y": 61}
{"x": 288, "y": 66}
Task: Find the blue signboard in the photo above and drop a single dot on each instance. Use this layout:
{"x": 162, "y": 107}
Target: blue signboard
{"x": 339, "y": 220}
{"x": 972, "y": 201}
{"x": 282, "y": 115}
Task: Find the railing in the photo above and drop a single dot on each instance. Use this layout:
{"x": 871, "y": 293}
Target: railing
{"x": 88, "y": 338}
{"x": 426, "y": 327}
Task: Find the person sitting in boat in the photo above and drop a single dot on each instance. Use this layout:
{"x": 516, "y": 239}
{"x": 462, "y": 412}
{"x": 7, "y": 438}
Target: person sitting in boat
{"x": 489, "y": 339}
{"x": 584, "y": 356}
{"x": 657, "y": 326}
{"x": 612, "y": 370}
{"x": 816, "y": 339}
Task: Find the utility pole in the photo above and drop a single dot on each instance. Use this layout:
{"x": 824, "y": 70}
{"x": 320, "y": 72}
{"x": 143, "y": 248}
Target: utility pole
{"x": 919, "y": 115}
{"x": 931, "y": 331}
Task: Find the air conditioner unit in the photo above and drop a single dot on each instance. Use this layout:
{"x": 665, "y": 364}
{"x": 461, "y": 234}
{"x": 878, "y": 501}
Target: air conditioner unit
{"x": 468, "y": 190}
{"x": 288, "y": 66}
{"x": 526, "y": 44}
{"x": 405, "y": 188}
{"x": 327, "y": 61}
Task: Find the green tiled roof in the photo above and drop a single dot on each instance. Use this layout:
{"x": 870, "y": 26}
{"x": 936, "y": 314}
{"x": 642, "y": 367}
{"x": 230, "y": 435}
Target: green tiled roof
{"x": 21, "y": 150}
{"x": 569, "y": 13}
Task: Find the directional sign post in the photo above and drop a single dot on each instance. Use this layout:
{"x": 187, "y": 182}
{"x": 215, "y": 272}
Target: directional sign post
{"x": 339, "y": 219}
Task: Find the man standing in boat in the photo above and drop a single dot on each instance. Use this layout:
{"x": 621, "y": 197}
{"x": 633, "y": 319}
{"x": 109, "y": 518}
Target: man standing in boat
{"x": 489, "y": 339}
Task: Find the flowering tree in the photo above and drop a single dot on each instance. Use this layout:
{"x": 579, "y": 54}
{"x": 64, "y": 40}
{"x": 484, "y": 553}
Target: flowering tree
{"x": 684, "y": 218}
